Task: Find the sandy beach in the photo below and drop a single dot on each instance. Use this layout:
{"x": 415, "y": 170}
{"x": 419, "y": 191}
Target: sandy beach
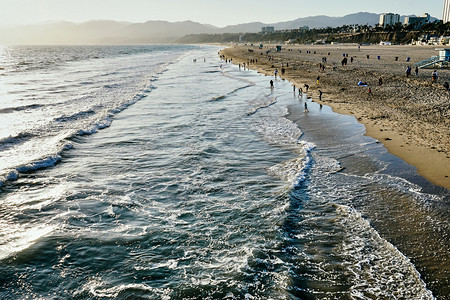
{"x": 410, "y": 115}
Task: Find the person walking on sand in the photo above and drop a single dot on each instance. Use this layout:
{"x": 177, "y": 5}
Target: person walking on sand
{"x": 307, "y": 87}
{"x": 318, "y": 78}
{"x": 380, "y": 81}
{"x": 369, "y": 91}
{"x": 434, "y": 76}
{"x": 408, "y": 71}
{"x": 417, "y": 71}
{"x": 320, "y": 95}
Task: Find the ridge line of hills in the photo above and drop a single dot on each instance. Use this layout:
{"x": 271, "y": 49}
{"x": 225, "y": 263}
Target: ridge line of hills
{"x": 114, "y": 32}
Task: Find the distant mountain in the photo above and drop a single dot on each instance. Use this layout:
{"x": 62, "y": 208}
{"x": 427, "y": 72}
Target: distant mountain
{"x": 360, "y": 18}
{"x": 101, "y": 32}
{"x": 112, "y": 32}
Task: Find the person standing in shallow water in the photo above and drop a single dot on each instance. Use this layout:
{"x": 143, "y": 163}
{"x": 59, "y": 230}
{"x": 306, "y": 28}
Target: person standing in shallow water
{"x": 271, "y": 83}
{"x": 306, "y": 107}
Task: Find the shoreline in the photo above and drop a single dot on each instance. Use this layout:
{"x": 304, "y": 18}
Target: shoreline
{"x": 397, "y": 113}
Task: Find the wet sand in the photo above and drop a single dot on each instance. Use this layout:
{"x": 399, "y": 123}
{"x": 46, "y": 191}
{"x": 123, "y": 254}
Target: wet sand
{"x": 409, "y": 115}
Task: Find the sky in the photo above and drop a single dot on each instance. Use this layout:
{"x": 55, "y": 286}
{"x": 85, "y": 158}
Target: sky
{"x": 214, "y": 12}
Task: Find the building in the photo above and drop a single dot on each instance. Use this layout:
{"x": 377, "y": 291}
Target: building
{"x": 268, "y": 29}
{"x": 389, "y": 19}
{"x": 446, "y": 12}
{"x": 417, "y": 22}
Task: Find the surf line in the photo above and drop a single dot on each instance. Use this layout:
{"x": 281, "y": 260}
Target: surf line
{"x": 261, "y": 107}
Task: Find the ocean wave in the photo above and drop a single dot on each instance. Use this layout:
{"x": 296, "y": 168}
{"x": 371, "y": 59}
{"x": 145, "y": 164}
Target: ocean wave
{"x": 14, "y": 140}
{"x": 230, "y": 93}
{"x": 123, "y": 106}
{"x": 17, "y": 239}
{"x": 10, "y": 176}
{"x": 20, "y": 108}
{"x": 96, "y": 127}
{"x": 374, "y": 259}
{"x": 295, "y": 171}
{"x": 76, "y": 116}
{"x": 97, "y": 288}
{"x": 269, "y": 102}
{"x": 46, "y": 162}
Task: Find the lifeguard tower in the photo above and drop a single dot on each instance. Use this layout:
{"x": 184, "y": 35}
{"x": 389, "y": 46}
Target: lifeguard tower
{"x": 442, "y": 60}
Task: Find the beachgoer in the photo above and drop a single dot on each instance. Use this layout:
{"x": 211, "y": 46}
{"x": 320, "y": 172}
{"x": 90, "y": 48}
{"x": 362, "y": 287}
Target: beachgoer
{"x": 369, "y": 91}
{"x": 408, "y": 71}
{"x": 417, "y": 71}
{"x": 320, "y": 95}
{"x": 380, "y": 81}
{"x": 318, "y": 78}
{"x": 276, "y": 72}
{"x": 446, "y": 85}
{"x": 434, "y": 76}
{"x": 271, "y": 83}
{"x": 306, "y": 107}
{"x": 307, "y": 87}
{"x": 293, "y": 87}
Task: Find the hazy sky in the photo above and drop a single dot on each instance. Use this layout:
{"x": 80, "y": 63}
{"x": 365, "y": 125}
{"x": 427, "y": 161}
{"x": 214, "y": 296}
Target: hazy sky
{"x": 218, "y": 13}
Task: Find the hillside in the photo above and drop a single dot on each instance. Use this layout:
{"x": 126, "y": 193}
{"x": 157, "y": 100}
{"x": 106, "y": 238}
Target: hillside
{"x": 112, "y": 32}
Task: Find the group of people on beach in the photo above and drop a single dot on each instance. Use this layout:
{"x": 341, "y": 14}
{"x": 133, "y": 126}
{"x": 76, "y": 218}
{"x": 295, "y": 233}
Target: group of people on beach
{"x": 408, "y": 71}
{"x": 434, "y": 75}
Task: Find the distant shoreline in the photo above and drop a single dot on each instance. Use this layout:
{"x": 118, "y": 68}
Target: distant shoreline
{"x": 409, "y": 115}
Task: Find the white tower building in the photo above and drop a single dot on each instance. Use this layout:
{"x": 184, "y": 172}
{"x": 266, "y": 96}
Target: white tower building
{"x": 390, "y": 19}
{"x": 446, "y": 13}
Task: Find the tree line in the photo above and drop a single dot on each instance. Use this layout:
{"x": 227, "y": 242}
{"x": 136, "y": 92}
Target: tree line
{"x": 397, "y": 33}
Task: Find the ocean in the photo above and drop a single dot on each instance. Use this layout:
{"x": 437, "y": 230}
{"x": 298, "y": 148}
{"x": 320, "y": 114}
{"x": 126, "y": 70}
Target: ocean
{"x": 163, "y": 172}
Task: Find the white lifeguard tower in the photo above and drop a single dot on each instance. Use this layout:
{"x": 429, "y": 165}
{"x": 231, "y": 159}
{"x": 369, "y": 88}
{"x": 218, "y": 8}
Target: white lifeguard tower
{"x": 442, "y": 60}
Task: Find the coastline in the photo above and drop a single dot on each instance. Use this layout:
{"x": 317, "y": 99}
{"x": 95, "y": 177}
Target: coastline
{"x": 409, "y": 115}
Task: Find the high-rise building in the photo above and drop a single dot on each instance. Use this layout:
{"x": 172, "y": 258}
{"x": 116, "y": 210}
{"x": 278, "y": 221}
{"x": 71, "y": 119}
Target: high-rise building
{"x": 389, "y": 19}
{"x": 446, "y": 13}
{"x": 268, "y": 29}
{"x": 417, "y": 22}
